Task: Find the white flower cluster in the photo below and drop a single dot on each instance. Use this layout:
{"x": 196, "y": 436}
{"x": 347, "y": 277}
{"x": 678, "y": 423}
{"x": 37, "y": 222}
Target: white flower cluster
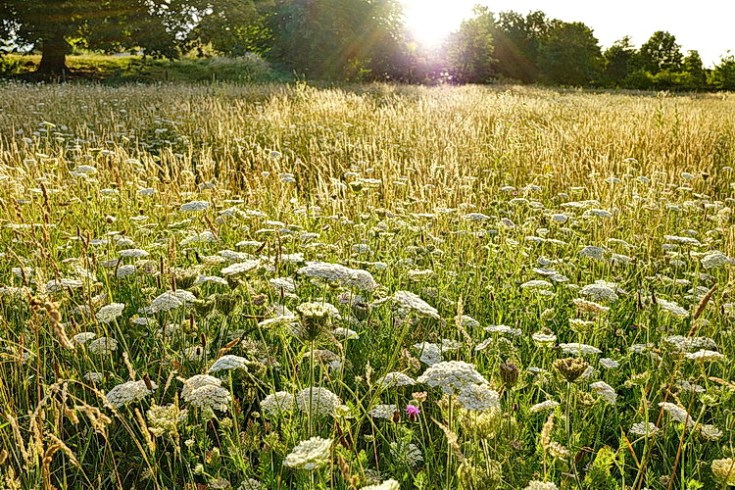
{"x": 672, "y": 308}
{"x": 599, "y": 292}
{"x": 276, "y": 404}
{"x": 228, "y": 362}
{"x": 386, "y": 485}
{"x": 205, "y": 391}
{"x": 309, "y": 455}
{"x": 452, "y": 376}
{"x": 383, "y": 411}
{"x": 541, "y": 485}
{"x": 395, "y": 379}
{"x": 318, "y": 401}
{"x": 479, "y": 397}
{"x": 677, "y": 413}
{"x": 576, "y": 349}
{"x": 110, "y": 313}
{"x": 102, "y": 346}
{"x": 240, "y": 268}
{"x": 129, "y": 392}
{"x": 195, "y": 206}
{"x": 605, "y": 391}
{"x": 411, "y": 302}
{"x": 165, "y": 419}
{"x": 171, "y": 300}
{"x": 339, "y": 274}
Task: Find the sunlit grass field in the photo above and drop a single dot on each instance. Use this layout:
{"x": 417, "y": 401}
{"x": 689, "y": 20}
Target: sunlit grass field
{"x": 278, "y": 287}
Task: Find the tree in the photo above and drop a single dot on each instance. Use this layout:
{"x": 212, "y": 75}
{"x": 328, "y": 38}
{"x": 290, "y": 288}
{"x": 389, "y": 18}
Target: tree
{"x": 51, "y": 26}
{"x": 661, "y": 53}
{"x": 335, "y": 39}
{"x": 723, "y": 75}
{"x": 517, "y": 41}
{"x": 469, "y": 50}
{"x": 694, "y": 68}
{"x": 620, "y": 61}
{"x": 570, "y": 55}
{"x": 236, "y": 27}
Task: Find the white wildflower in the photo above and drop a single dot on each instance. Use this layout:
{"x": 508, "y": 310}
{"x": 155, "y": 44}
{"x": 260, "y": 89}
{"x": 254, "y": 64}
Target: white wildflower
{"x": 276, "y": 404}
{"x": 452, "y": 376}
{"x": 227, "y": 363}
{"x": 318, "y": 401}
{"x": 409, "y": 301}
{"x": 479, "y": 397}
{"x": 339, "y": 274}
{"x": 195, "y": 206}
{"x": 110, "y": 313}
{"x": 605, "y": 391}
{"x": 309, "y": 455}
{"x": 129, "y": 392}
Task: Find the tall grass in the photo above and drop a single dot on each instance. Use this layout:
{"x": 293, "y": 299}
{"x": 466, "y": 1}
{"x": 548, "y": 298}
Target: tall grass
{"x": 486, "y": 203}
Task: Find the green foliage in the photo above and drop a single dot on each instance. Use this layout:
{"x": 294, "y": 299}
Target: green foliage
{"x": 620, "y": 61}
{"x": 661, "y": 52}
{"x": 517, "y": 43}
{"x": 570, "y": 55}
{"x": 599, "y": 477}
{"x": 335, "y": 39}
{"x": 723, "y": 76}
{"x": 469, "y": 50}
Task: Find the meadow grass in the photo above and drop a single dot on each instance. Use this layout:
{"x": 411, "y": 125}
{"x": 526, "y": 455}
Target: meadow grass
{"x": 205, "y": 287}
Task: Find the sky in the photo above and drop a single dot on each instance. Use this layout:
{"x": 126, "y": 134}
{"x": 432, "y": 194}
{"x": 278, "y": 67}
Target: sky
{"x": 705, "y": 25}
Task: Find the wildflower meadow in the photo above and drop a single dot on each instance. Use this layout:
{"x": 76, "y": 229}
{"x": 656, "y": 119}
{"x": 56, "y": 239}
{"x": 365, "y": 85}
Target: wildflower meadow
{"x": 370, "y": 287}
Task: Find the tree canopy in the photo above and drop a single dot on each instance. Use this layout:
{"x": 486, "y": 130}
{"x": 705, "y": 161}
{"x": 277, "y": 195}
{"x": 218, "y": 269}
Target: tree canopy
{"x": 354, "y": 40}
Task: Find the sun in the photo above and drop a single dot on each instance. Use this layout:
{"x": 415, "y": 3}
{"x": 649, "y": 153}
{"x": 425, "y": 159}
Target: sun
{"x": 431, "y": 21}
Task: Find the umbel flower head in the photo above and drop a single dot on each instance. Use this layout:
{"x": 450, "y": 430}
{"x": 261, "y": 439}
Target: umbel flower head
{"x": 309, "y": 455}
{"x": 724, "y": 470}
{"x": 571, "y": 367}
{"x": 317, "y": 401}
{"x": 129, "y": 392}
{"x": 452, "y": 376}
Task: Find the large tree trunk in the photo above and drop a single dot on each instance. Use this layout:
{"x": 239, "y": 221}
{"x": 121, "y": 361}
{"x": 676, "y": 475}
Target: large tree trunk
{"x": 53, "y": 57}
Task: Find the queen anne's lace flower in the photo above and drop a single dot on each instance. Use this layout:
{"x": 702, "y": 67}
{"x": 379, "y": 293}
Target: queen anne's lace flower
{"x": 599, "y": 292}
{"x": 195, "y": 206}
{"x": 197, "y": 381}
{"x": 672, "y": 308}
{"x": 641, "y": 429}
{"x": 210, "y": 396}
{"x": 110, "y": 313}
{"x": 276, "y": 404}
{"x": 714, "y": 260}
{"x": 318, "y": 401}
{"x": 605, "y": 391}
{"x": 129, "y": 392}
{"x": 705, "y": 355}
{"x": 677, "y": 413}
{"x": 339, "y": 274}
{"x": 239, "y": 268}
{"x": 452, "y": 376}
{"x": 409, "y": 301}
{"x": 386, "y": 485}
{"x": 541, "y": 485}
{"x": 544, "y": 406}
{"x": 576, "y": 349}
{"x": 383, "y": 411}
{"x": 102, "y": 346}
{"x": 479, "y": 397}
{"x": 310, "y": 455}
{"x": 228, "y": 362}
{"x": 171, "y": 300}
{"x": 134, "y": 253}
{"x": 395, "y": 378}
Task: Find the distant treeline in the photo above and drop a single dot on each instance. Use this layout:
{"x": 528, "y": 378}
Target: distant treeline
{"x": 356, "y": 40}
